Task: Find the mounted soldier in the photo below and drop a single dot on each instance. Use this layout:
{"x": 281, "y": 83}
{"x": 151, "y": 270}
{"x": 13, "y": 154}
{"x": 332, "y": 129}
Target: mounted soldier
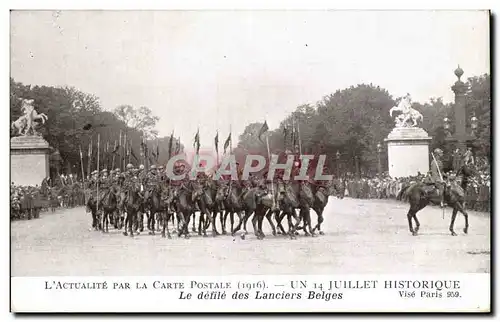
{"x": 124, "y": 179}
{"x": 149, "y": 181}
{"x": 104, "y": 186}
{"x": 436, "y": 174}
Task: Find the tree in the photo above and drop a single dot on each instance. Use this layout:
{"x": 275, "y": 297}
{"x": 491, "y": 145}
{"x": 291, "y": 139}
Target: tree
{"x": 140, "y": 119}
{"x": 479, "y": 103}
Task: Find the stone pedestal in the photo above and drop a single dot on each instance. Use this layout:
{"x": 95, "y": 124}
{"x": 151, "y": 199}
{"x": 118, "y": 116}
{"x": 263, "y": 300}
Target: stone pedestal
{"x": 408, "y": 151}
{"x": 29, "y": 160}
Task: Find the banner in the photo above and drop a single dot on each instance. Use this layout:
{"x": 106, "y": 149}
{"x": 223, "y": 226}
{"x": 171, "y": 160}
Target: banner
{"x": 254, "y": 293}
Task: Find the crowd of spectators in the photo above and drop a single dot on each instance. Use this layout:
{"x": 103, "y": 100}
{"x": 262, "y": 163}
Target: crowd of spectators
{"x": 477, "y": 194}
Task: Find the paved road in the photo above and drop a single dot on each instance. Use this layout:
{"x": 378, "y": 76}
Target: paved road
{"x": 362, "y": 236}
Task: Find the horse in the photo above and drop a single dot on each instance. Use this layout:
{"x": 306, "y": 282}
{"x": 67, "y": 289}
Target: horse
{"x": 132, "y": 205}
{"x": 212, "y": 190}
{"x": 250, "y": 203}
{"x": 321, "y": 196}
{"x": 288, "y": 202}
{"x": 31, "y": 115}
{"x": 420, "y": 195}
{"x": 203, "y": 200}
{"x": 92, "y": 206}
{"x": 183, "y": 197}
{"x": 155, "y": 206}
{"x": 19, "y": 124}
{"x": 107, "y": 206}
{"x": 166, "y": 214}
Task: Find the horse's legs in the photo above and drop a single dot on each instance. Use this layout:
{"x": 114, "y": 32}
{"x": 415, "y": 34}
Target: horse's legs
{"x": 235, "y": 230}
{"x": 452, "y": 223}
{"x": 248, "y": 214}
{"x": 194, "y": 225}
{"x": 307, "y": 212}
{"x": 291, "y": 227}
{"x": 152, "y": 215}
{"x": 255, "y": 223}
{"x": 320, "y": 221}
{"x": 185, "y": 228}
{"x": 279, "y": 215}
{"x": 223, "y": 217}
{"x": 466, "y": 217}
{"x": 268, "y": 215}
{"x": 410, "y": 222}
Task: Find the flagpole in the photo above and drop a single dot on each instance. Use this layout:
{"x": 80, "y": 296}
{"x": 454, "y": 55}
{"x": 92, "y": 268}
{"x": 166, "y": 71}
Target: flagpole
{"x": 124, "y": 157}
{"x": 83, "y": 173}
{"x": 129, "y": 150}
{"x": 98, "y": 174}
{"x": 114, "y": 155}
{"x": 272, "y": 178}
{"x": 230, "y": 139}
{"x": 298, "y": 134}
{"x": 89, "y": 162}
{"x": 217, "y": 147}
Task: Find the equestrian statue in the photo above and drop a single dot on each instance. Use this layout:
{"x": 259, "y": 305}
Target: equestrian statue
{"x": 409, "y": 116}
{"x": 26, "y": 123}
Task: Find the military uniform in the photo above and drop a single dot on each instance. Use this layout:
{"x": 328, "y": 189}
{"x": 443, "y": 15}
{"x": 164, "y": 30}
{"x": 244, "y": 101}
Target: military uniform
{"x": 436, "y": 170}
{"x": 149, "y": 182}
{"x": 125, "y": 179}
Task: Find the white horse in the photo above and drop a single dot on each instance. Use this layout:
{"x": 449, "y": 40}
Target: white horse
{"x": 26, "y": 122}
{"x": 407, "y": 113}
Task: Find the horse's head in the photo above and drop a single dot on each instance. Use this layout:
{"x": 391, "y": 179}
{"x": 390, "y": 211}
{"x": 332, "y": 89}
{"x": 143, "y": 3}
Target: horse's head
{"x": 221, "y": 193}
{"x": 197, "y": 191}
{"x": 307, "y": 192}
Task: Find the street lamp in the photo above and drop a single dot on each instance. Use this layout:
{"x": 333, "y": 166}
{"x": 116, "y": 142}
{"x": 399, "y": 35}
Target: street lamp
{"x": 460, "y": 138}
{"x": 379, "y": 153}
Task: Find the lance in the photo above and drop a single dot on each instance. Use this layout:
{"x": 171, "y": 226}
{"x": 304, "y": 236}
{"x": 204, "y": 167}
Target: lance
{"x": 119, "y": 146}
{"x": 230, "y": 152}
{"x": 300, "y": 142}
{"x": 98, "y": 173}
{"x": 89, "y": 162}
{"x": 129, "y": 148}
{"x": 83, "y": 174}
{"x": 272, "y": 178}
{"x": 114, "y": 155}
{"x": 124, "y": 157}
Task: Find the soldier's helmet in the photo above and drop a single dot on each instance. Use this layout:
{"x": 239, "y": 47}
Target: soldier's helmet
{"x": 130, "y": 166}
{"x": 153, "y": 167}
{"x": 117, "y": 170}
{"x": 141, "y": 167}
{"x": 161, "y": 168}
{"x": 438, "y": 151}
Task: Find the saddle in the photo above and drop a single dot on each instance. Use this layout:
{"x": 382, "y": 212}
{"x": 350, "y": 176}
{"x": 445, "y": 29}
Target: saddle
{"x": 430, "y": 189}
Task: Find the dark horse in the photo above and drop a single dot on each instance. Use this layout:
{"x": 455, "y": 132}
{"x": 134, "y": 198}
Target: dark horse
{"x": 132, "y": 204}
{"x": 155, "y": 205}
{"x": 184, "y": 207}
{"x": 107, "y": 206}
{"x": 321, "y": 193}
{"x": 420, "y": 195}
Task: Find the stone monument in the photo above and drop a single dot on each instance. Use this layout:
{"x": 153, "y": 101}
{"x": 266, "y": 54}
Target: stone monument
{"x": 407, "y": 144}
{"x": 29, "y": 152}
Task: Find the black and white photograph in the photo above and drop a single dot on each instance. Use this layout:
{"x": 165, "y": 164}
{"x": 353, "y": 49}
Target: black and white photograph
{"x": 223, "y": 143}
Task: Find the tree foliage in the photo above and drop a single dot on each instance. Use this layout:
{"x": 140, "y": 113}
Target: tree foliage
{"x": 354, "y": 120}
{"x": 70, "y": 111}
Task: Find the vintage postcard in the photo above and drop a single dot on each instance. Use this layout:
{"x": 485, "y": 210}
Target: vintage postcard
{"x": 250, "y": 161}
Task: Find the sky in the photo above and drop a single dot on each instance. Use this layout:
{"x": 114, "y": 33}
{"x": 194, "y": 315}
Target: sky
{"x": 226, "y": 69}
